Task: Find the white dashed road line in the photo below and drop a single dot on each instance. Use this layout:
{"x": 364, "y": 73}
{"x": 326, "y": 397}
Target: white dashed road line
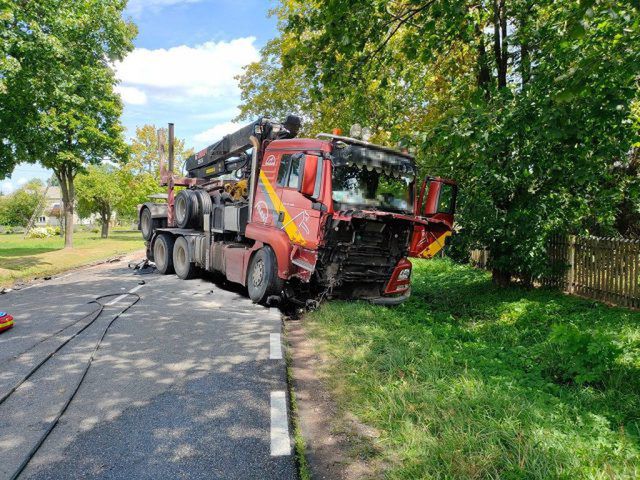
{"x": 275, "y": 347}
{"x": 280, "y": 443}
{"x": 124, "y": 295}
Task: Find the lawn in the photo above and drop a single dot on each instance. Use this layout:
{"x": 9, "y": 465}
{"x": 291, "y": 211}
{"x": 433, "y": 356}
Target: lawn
{"x": 27, "y": 258}
{"x": 467, "y": 380}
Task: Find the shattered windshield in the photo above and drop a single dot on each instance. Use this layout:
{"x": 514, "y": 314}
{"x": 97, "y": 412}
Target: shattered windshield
{"x": 375, "y": 189}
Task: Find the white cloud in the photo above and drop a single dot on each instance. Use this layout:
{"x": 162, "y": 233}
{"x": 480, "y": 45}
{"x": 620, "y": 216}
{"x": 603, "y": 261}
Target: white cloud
{"x": 203, "y": 71}
{"x": 132, "y": 95}
{"x": 22, "y": 181}
{"x": 216, "y": 132}
{"x": 6, "y": 187}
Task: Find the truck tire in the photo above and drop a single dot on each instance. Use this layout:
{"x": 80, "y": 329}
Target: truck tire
{"x": 147, "y": 223}
{"x": 204, "y": 202}
{"x": 163, "y": 253}
{"x": 182, "y": 264}
{"x": 183, "y": 208}
{"x": 262, "y": 276}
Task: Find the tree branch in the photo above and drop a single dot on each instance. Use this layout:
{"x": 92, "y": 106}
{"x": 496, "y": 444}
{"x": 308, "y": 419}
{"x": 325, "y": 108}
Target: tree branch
{"x": 409, "y": 14}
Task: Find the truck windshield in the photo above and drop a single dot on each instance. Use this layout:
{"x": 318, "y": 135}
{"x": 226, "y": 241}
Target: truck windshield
{"x": 378, "y": 189}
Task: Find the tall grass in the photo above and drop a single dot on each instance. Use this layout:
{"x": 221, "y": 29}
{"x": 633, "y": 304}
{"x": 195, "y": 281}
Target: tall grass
{"x": 467, "y": 380}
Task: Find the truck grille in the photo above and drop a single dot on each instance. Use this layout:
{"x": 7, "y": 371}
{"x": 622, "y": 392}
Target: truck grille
{"x": 362, "y": 251}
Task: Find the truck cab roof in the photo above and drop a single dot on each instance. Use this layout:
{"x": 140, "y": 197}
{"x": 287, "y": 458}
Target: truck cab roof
{"x": 346, "y": 151}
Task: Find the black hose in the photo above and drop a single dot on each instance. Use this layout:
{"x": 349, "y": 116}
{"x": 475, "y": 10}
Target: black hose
{"x": 54, "y": 422}
{"x": 54, "y": 334}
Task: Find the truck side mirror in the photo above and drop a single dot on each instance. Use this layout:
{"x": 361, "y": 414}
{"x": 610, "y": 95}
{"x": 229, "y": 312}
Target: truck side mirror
{"x": 310, "y": 176}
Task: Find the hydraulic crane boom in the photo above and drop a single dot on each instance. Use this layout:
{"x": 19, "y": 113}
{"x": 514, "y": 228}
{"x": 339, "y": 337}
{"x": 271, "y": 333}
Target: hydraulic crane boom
{"x": 229, "y": 153}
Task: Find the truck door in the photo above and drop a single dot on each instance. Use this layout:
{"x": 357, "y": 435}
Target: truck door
{"x": 435, "y": 204}
{"x": 267, "y": 201}
{"x": 297, "y": 215}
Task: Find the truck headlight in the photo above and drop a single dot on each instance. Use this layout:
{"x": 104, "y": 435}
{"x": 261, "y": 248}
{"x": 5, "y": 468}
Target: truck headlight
{"x": 404, "y": 274}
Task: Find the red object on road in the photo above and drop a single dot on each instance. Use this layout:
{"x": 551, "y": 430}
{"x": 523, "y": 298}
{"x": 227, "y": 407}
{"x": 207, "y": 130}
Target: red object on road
{"x": 6, "y": 321}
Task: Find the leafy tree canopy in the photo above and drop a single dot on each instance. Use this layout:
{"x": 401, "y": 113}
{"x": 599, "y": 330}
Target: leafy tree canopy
{"x": 57, "y": 102}
{"x": 17, "y": 209}
{"x": 528, "y": 104}
{"x": 145, "y": 150}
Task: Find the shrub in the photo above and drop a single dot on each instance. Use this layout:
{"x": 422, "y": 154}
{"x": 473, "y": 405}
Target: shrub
{"x": 39, "y": 232}
{"x": 580, "y": 356}
{"x": 53, "y": 231}
{"x": 44, "y": 232}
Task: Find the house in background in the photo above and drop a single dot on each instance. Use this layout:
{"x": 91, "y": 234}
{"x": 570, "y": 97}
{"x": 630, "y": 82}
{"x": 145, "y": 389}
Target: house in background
{"x": 52, "y": 211}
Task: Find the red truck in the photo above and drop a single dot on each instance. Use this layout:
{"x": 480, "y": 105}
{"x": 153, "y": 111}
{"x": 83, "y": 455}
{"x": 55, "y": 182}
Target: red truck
{"x": 292, "y": 218}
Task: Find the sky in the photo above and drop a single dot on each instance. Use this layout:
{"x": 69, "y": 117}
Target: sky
{"x": 182, "y": 69}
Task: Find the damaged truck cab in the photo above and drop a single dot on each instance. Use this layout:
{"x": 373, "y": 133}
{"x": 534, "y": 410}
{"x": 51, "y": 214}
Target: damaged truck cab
{"x": 295, "y": 218}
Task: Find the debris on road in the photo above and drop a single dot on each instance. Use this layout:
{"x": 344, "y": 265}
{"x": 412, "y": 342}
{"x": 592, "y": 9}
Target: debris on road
{"x": 142, "y": 267}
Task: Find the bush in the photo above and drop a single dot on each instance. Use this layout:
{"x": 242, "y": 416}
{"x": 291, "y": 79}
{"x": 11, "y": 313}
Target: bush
{"x": 44, "y": 232}
{"x": 580, "y": 356}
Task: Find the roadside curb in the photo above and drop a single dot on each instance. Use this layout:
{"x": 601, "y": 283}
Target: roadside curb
{"x": 325, "y": 436}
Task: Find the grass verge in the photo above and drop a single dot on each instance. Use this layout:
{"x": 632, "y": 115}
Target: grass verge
{"x": 299, "y": 446}
{"x": 27, "y": 258}
{"x": 467, "y": 380}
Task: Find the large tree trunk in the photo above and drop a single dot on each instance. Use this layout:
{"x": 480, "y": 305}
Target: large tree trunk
{"x": 65, "y": 176}
{"x": 106, "y": 217}
{"x": 500, "y": 278}
{"x": 500, "y": 47}
{"x": 484, "y": 75}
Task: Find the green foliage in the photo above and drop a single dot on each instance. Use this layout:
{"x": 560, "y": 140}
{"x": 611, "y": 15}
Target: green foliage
{"x": 528, "y": 104}
{"x": 58, "y": 104}
{"x": 17, "y": 209}
{"x": 44, "y": 232}
{"x": 458, "y": 379}
{"x": 144, "y": 151}
{"x": 99, "y": 190}
{"x": 580, "y": 356}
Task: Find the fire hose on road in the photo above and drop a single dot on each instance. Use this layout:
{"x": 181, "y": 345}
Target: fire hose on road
{"x": 97, "y": 313}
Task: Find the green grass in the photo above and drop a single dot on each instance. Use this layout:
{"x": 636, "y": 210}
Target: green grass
{"x": 304, "y": 471}
{"x": 27, "y": 258}
{"x": 467, "y": 380}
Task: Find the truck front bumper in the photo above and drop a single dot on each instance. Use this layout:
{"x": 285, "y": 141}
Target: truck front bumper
{"x": 390, "y": 300}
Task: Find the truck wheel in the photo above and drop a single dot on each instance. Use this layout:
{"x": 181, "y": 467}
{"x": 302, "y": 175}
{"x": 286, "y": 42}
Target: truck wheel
{"x": 262, "y": 276}
{"x": 184, "y": 267}
{"x": 163, "y": 253}
{"x": 183, "y": 208}
{"x": 147, "y": 224}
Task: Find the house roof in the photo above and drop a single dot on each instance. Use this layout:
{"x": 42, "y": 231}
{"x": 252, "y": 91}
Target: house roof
{"x": 54, "y": 193}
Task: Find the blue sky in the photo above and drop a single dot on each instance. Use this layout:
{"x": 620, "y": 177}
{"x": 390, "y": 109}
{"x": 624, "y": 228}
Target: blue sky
{"x": 187, "y": 53}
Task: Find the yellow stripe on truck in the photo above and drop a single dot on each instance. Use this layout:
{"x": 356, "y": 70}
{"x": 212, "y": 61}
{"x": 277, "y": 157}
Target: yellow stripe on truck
{"x": 289, "y": 225}
{"x": 436, "y": 246}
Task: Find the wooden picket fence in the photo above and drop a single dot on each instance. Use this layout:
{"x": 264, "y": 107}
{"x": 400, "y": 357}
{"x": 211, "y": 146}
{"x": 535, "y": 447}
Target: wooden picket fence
{"x": 605, "y": 269}
{"x": 480, "y": 257}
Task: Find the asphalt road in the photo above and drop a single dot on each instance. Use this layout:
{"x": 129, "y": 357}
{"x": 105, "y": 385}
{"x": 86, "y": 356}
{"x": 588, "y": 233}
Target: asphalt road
{"x": 188, "y": 383}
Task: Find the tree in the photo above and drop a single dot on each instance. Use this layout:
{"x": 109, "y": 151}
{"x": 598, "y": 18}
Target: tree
{"x": 57, "y": 100}
{"x": 99, "y": 191}
{"x": 144, "y": 151}
{"x": 526, "y": 103}
{"x": 17, "y": 209}
{"x": 138, "y": 187}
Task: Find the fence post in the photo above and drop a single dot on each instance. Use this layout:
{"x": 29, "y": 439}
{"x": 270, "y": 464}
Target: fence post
{"x": 572, "y": 267}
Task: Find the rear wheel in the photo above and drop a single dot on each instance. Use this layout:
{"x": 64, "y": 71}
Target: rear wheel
{"x": 148, "y": 224}
{"x": 184, "y": 208}
{"x": 163, "y": 253}
{"x": 184, "y": 267}
{"x": 262, "y": 276}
